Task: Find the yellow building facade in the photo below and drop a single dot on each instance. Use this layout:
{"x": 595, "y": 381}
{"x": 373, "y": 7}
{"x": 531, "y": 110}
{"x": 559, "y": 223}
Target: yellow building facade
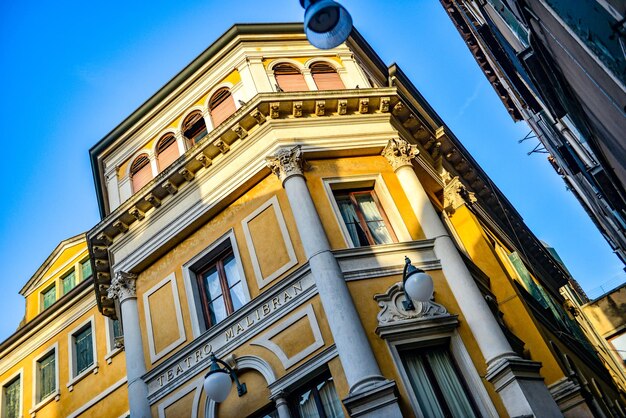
{"x": 259, "y": 208}
{"x": 63, "y": 361}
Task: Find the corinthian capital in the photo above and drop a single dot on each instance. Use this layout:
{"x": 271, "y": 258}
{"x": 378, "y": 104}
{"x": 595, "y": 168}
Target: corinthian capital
{"x": 122, "y": 286}
{"x": 286, "y": 163}
{"x": 400, "y": 153}
{"x": 455, "y": 194}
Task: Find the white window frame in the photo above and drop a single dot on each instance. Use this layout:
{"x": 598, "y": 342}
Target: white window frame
{"x": 112, "y": 350}
{"x": 194, "y": 302}
{"x": 75, "y": 378}
{"x": 20, "y": 376}
{"x": 451, "y": 340}
{"x": 56, "y": 394}
{"x": 376, "y": 181}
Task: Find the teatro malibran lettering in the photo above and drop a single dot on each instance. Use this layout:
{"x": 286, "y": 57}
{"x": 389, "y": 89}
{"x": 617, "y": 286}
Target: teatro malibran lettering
{"x": 258, "y": 317}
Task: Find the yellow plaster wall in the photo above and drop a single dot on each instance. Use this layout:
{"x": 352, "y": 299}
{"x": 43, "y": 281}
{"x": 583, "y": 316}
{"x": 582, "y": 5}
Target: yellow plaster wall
{"x": 350, "y": 167}
{"x": 364, "y": 290}
{"x": 84, "y": 390}
{"x": 164, "y": 322}
{"x": 516, "y": 314}
{"x": 608, "y": 314}
{"x": 269, "y": 246}
{"x": 182, "y": 407}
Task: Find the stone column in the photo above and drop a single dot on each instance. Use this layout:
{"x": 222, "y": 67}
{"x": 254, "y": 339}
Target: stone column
{"x": 369, "y": 390}
{"x": 282, "y": 406}
{"x": 123, "y": 289}
{"x": 518, "y": 381}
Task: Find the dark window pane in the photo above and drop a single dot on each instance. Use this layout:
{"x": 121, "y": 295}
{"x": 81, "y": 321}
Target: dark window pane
{"x": 217, "y": 310}
{"x": 212, "y": 284}
{"x": 230, "y": 268}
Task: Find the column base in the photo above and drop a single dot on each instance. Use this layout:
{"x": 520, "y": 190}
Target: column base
{"x": 376, "y": 397}
{"x": 569, "y": 397}
{"x": 522, "y": 388}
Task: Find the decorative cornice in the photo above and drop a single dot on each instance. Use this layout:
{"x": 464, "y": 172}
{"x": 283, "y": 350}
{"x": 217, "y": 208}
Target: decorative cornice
{"x": 286, "y": 163}
{"x": 400, "y": 153}
{"x": 455, "y": 194}
{"x": 123, "y": 286}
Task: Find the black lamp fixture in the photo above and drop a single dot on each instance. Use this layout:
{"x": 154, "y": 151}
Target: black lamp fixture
{"x": 218, "y": 381}
{"x": 417, "y": 285}
{"x": 327, "y": 24}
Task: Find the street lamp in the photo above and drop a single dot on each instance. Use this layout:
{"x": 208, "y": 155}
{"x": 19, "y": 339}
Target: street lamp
{"x": 418, "y": 286}
{"x": 326, "y": 23}
{"x": 217, "y": 382}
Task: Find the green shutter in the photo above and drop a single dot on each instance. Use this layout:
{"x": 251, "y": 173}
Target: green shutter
{"x": 86, "y": 269}
{"x": 69, "y": 281}
{"x": 83, "y": 346}
{"x": 12, "y": 399}
{"x": 47, "y": 376}
{"x": 49, "y": 297}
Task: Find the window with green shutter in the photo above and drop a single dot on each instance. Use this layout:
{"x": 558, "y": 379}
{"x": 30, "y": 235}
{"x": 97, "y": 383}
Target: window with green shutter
{"x": 49, "y": 296}
{"x": 68, "y": 281}
{"x": 11, "y": 399}
{"x": 86, "y": 269}
{"x": 46, "y": 376}
{"x": 83, "y": 350}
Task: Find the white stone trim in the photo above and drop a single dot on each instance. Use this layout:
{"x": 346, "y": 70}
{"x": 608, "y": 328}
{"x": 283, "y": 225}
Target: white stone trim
{"x": 193, "y": 298}
{"x": 56, "y": 272}
{"x": 476, "y": 387}
{"x": 56, "y": 394}
{"x": 20, "y": 374}
{"x": 110, "y": 343}
{"x": 258, "y": 364}
{"x": 154, "y": 356}
{"x": 98, "y": 398}
{"x": 73, "y": 378}
{"x": 265, "y": 340}
{"x": 384, "y": 197}
{"x": 195, "y": 386}
{"x": 263, "y": 281}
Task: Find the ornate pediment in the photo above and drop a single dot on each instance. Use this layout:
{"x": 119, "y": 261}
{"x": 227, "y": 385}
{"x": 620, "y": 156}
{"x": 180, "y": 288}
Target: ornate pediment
{"x": 392, "y": 309}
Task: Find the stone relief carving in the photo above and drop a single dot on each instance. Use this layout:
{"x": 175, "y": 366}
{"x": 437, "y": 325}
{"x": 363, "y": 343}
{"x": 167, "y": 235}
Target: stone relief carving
{"x": 122, "y": 286}
{"x": 400, "y": 153}
{"x": 287, "y": 163}
{"x": 392, "y": 309}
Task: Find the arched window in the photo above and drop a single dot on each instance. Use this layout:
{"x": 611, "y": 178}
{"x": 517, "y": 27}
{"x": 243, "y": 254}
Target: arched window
{"x": 326, "y": 77}
{"x": 221, "y": 106}
{"x": 167, "y": 151}
{"x": 289, "y": 78}
{"x": 140, "y": 172}
{"x": 194, "y": 128}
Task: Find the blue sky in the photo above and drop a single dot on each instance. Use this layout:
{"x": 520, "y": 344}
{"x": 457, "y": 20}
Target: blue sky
{"x": 72, "y": 71}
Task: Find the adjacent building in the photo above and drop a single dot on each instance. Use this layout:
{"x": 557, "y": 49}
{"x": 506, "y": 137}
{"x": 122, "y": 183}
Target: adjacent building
{"x": 63, "y": 360}
{"x": 561, "y": 66}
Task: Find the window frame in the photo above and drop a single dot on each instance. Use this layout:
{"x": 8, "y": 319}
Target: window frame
{"x": 133, "y": 170}
{"x": 17, "y": 375}
{"x": 196, "y": 264}
{"x": 112, "y": 350}
{"x": 81, "y": 277}
{"x": 395, "y": 222}
{"x": 56, "y": 393}
{"x": 74, "y": 375}
{"x": 311, "y": 384}
{"x": 185, "y": 127}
